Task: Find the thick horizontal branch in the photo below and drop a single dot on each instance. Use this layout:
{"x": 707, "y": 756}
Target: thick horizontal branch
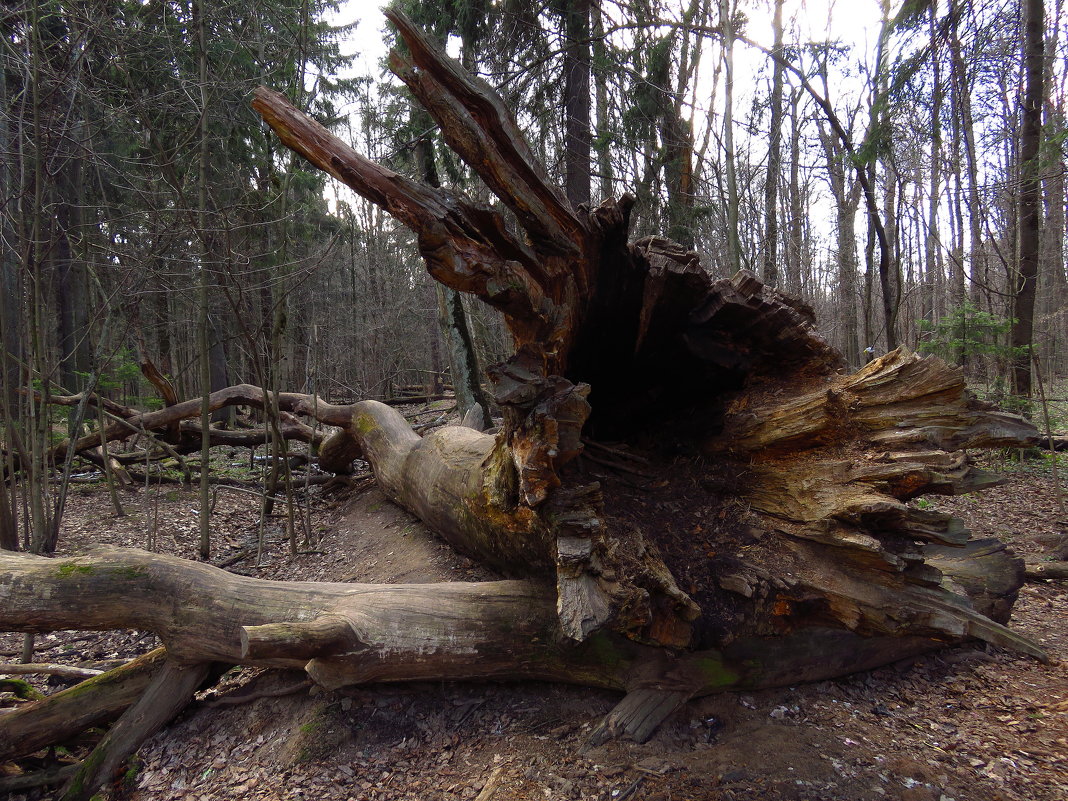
{"x": 398, "y": 632}
{"x": 498, "y": 630}
{"x": 48, "y": 669}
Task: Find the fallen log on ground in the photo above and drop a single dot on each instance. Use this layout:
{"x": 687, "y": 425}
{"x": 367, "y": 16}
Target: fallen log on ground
{"x": 171, "y": 431}
{"x": 134, "y": 422}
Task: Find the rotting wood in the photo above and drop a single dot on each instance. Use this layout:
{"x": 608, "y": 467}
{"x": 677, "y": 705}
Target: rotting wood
{"x": 638, "y": 715}
{"x": 909, "y": 414}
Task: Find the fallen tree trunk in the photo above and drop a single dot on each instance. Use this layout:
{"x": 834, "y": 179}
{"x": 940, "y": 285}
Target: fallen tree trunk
{"x": 344, "y": 634}
{"x": 609, "y": 337}
{"x": 1042, "y": 571}
{"x": 772, "y": 539}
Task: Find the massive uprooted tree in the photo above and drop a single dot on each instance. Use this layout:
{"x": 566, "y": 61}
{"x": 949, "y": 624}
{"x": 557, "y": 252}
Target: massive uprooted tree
{"x": 768, "y": 541}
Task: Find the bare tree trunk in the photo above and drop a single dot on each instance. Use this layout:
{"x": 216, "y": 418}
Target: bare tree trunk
{"x": 771, "y": 183}
{"x": 1053, "y": 281}
{"x": 577, "y": 163}
{"x": 600, "y": 70}
{"x": 797, "y": 218}
{"x": 847, "y": 200}
{"x": 931, "y": 245}
{"x": 203, "y": 295}
{"x": 734, "y": 246}
{"x": 962, "y": 93}
{"x": 1030, "y": 199}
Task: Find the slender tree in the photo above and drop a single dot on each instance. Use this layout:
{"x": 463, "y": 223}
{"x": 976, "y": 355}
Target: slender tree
{"x": 1030, "y": 194}
{"x": 771, "y": 183}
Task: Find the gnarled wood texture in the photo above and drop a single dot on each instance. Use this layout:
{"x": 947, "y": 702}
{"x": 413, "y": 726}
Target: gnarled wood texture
{"x": 637, "y": 341}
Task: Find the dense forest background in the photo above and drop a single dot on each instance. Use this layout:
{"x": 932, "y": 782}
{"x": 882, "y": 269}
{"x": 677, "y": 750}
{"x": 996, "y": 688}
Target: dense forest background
{"x": 902, "y": 189}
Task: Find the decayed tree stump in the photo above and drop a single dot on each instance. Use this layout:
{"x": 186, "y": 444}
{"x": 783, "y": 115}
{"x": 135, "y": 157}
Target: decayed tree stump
{"x": 771, "y": 540}
{"x": 635, "y": 341}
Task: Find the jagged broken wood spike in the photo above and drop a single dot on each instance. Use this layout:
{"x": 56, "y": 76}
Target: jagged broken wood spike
{"x": 482, "y": 131}
{"x": 466, "y": 247}
{"x": 638, "y": 715}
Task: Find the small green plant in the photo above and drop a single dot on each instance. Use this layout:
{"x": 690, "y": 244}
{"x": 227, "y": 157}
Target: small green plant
{"x": 68, "y": 569}
{"x": 119, "y": 370}
{"x": 133, "y": 768}
{"x": 967, "y": 331}
{"x": 977, "y": 340}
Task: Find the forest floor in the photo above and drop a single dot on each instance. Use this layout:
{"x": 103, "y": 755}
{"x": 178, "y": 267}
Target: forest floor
{"x": 969, "y": 723}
